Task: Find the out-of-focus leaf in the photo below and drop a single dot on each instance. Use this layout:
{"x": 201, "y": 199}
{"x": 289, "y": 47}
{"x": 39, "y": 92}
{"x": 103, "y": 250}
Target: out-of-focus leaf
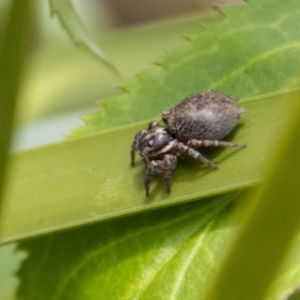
{"x": 271, "y": 232}
{"x": 60, "y": 79}
{"x": 254, "y": 50}
{"x": 10, "y": 261}
{"x": 12, "y": 50}
{"x": 90, "y": 179}
{"x": 69, "y": 20}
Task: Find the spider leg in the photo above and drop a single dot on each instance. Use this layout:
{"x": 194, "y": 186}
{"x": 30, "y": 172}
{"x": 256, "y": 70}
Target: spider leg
{"x": 170, "y": 162}
{"x": 165, "y": 166}
{"x": 213, "y": 143}
{"x": 185, "y": 150}
{"x": 144, "y": 161}
{"x": 150, "y": 171}
{"x": 134, "y": 146}
{"x": 132, "y": 156}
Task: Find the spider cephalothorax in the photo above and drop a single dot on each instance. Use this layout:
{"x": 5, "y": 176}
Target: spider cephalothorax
{"x": 198, "y": 121}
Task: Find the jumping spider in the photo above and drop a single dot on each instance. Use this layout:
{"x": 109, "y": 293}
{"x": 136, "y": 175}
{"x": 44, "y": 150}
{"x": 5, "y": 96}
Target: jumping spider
{"x": 200, "y": 120}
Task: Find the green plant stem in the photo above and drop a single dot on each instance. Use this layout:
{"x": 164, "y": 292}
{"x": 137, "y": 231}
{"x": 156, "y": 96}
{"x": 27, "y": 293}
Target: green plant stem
{"x": 11, "y": 60}
{"x": 272, "y": 224}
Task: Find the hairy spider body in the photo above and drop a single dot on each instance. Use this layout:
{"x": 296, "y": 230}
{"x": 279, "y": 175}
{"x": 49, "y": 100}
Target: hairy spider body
{"x": 198, "y": 121}
{"x": 206, "y": 116}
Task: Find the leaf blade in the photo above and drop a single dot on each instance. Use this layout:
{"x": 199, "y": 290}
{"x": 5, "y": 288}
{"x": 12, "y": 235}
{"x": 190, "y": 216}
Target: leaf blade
{"x": 115, "y": 252}
{"x": 81, "y": 182}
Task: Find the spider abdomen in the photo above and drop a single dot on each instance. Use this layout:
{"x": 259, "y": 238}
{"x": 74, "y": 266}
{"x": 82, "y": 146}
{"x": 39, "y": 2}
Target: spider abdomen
{"x": 206, "y": 116}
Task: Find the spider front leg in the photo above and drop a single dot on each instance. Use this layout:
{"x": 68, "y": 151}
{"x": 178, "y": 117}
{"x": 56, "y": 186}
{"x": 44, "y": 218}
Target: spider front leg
{"x": 165, "y": 166}
{"x": 134, "y": 146}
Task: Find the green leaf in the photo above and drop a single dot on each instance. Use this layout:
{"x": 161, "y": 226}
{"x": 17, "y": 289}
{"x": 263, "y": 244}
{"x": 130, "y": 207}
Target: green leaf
{"x": 69, "y": 20}
{"x": 12, "y": 50}
{"x": 254, "y": 50}
{"x": 173, "y": 252}
{"x": 53, "y": 69}
{"x": 72, "y": 79}
{"x": 10, "y": 262}
{"x": 271, "y": 233}
{"x": 163, "y": 254}
{"x": 90, "y": 179}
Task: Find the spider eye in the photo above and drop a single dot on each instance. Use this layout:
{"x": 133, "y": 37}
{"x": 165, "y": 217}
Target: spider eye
{"x": 150, "y": 143}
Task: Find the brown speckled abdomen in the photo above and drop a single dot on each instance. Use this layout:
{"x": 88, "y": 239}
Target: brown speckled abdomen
{"x": 206, "y": 116}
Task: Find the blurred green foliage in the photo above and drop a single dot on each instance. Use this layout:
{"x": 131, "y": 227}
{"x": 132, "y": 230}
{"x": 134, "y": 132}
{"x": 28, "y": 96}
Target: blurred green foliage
{"x": 172, "y": 251}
